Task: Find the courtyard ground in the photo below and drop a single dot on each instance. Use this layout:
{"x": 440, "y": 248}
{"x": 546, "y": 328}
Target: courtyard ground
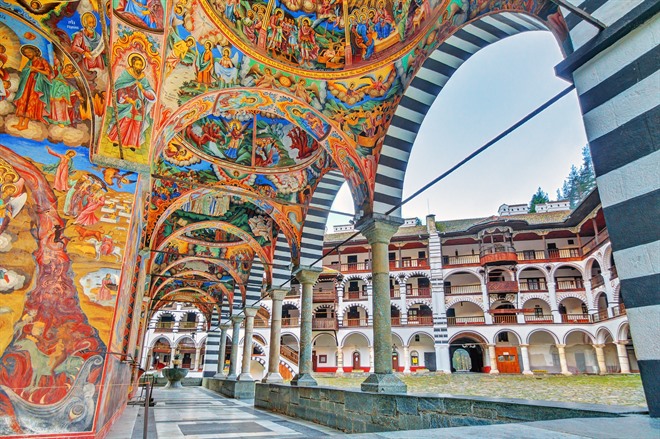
{"x": 593, "y": 389}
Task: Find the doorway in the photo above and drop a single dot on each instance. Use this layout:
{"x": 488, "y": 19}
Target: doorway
{"x": 356, "y": 360}
{"x": 395, "y": 361}
{"x": 507, "y": 359}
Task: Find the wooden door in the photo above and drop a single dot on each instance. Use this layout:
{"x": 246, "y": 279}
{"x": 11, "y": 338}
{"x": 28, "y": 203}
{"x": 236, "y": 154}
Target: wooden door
{"x": 356, "y": 360}
{"x": 314, "y": 361}
{"x": 507, "y": 359}
{"x": 395, "y": 362}
{"x": 187, "y": 361}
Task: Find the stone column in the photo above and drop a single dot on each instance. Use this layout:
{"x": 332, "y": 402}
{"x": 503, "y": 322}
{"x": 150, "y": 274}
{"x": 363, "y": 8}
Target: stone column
{"x": 371, "y": 359}
{"x": 493, "y": 359}
{"x": 622, "y": 353}
{"x": 379, "y": 229}
{"x": 562, "y": 359}
{"x": 600, "y": 357}
{"x": 340, "y": 361}
{"x": 250, "y": 312}
{"x": 554, "y": 306}
{"x": 197, "y": 353}
{"x": 406, "y": 359}
{"x": 273, "y": 375}
{"x": 524, "y": 353}
{"x": 306, "y": 276}
{"x": 488, "y": 317}
{"x": 340, "y": 304}
{"x": 590, "y": 296}
{"x": 172, "y": 353}
{"x": 442, "y": 356}
{"x": 235, "y": 339}
{"x": 220, "y": 372}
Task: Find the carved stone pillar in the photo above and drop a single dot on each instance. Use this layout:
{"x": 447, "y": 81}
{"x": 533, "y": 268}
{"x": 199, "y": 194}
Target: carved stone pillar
{"x": 524, "y": 353}
{"x": 235, "y": 339}
{"x": 561, "y": 348}
{"x": 273, "y": 375}
{"x": 493, "y": 359}
{"x": 307, "y": 276}
{"x": 250, "y": 312}
{"x": 220, "y": 372}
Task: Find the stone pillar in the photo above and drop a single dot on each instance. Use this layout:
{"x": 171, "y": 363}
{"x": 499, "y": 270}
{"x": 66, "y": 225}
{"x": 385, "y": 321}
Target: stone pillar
{"x": 488, "y": 317}
{"x": 340, "y": 361}
{"x": 220, "y": 372}
{"x": 250, "y": 312}
{"x": 197, "y": 354}
{"x": 273, "y": 375}
{"x": 493, "y": 359}
{"x": 379, "y": 229}
{"x": 306, "y": 276}
{"x": 172, "y": 354}
{"x": 622, "y": 353}
{"x": 235, "y": 339}
{"x": 600, "y": 356}
{"x": 371, "y": 359}
{"x": 406, "y": 359}
{"x": 554, "y": 306}
{"x": 562, "y": 359}
{"x": 524, "y": 353}
{"x": 442, "y": 357}
{"x": 340, "y": 304}
{"x": 590, "y": 296}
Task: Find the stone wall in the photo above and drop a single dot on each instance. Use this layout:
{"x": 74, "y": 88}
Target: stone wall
{"x": 357, "y": 412}
{"x": 230, "y": 388}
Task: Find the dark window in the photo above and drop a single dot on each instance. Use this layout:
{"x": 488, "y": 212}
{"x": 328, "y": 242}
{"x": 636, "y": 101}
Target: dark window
{"x": 421, "y": 255}
{"x": 423, "y": 282}
{"x": 503, "y": 337}
{"x": 571, "y": 242}
{"x": 352, "y": 259}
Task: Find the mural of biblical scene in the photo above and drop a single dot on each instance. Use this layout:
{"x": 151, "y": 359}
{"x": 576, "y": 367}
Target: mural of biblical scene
{"x": 144, "y": 14}
{"x": 63, "y": 228}
{"x": 129, "y": 119}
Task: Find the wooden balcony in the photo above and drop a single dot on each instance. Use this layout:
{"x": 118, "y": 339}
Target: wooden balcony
{"x": 164, "y": 326}
{"x": 290, "y": 321}
{"x": 355, "y": 322}
{"x": 597, "y": 281}
{"x": 352, "y": 267}
{"x": 538, "y": 318}
{"x": 396, "y": 321}
{"x": 505, "y": 319}
{"x": 324, "y": 323}
{"x": 355, "y": 295}
{"x": 564, "y": 253}
{"x": 261, "y": 323}
{"x": 619, "y": 310}
{"x": 395, "y": 293}
{"x": 540, "y": 255}
{"x": 289, "y": 353}
{"x": 576, "y": 318}
{"x": 531, "y": 255}
{"x": 325, "y": 296}
{"x": 529, "y": 285}
{"x": 466, "y": 321}
{"x": 569, "y": 284}
{"x": 594, "y": 243}
{"x": 420, "y": 320}
{"x": 463, "y": 289}
{"x": 409, "y": 263}
{"x": 418, "y": 292}
{"x": 498, "y": 255}
{"x": 502, "y": 287}
{"x": 461, "y": 260}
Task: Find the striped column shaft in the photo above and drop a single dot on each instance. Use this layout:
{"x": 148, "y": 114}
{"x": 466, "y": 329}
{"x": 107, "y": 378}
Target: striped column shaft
{"x": 618, "y": 84}
{"x": 311, "y": 247}
{"x": 255, "y": 282}
{"x": 212, "y": 346}
{"x": 425, "y": 87}
{"x": 281, "y": 263}
{"x": 440, "y": 334}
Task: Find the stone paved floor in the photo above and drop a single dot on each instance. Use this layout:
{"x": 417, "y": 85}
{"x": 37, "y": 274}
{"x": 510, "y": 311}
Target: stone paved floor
{"x": 590, "y": 389}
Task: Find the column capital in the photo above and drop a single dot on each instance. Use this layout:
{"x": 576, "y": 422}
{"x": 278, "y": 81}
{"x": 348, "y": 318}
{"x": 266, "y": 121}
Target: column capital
{"x": 598, "y": 345}
{"x": 238, "y": 319}
{"x": 378, "y": 228}
{"x": 225, "y": 326}
{"x": 559, "y": 345}
{"x": 251, "y": 311}
{"x": 277, "y": 293}
{"x": 306, "y": 274}
{"x": 524, "y": 345}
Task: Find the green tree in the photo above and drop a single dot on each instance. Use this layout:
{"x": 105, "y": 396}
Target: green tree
{"x": 580, "y": 182}
{"x": 539, "y": 197}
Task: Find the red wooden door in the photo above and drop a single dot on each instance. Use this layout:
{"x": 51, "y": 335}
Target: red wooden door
{"x": 507, "y": 359}
{"x": 356, "y": 360}
{"x": 395, "y": 362}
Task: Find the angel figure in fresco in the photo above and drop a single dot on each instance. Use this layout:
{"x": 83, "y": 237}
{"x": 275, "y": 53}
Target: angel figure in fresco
{"x": 204, "y": 66}
{"x": 33, "y": 95}
{"x": 268, "y": 80}
{"x": 134, "y": 98}
{"x": 310, "y": 122}
{"x": 225, "y": 67}
{"x": 89, "y": 43}
{"x": 235, "y": 135}
{"x": 61, "y": 169}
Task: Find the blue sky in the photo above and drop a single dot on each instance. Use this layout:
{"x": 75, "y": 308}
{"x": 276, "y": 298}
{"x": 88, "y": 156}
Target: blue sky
{"x": 492, "y": 90}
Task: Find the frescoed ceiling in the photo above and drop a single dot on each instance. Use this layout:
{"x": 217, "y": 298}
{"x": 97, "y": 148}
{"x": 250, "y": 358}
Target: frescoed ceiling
{"x": 235, "y": 110}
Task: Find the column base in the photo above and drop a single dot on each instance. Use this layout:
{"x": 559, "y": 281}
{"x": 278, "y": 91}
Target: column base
{"x": 527, "y": 372}
{"x": 383, "y": 383}
{"x": 273, "y": 378}
{"x": 494, "y": 372}
{"x": 245, "y": 377}
{"x": 219, "y": 376}
{"x": 339, "y": 372}
{"x": 304, "y": 380}
{"x": 567, "y": 373}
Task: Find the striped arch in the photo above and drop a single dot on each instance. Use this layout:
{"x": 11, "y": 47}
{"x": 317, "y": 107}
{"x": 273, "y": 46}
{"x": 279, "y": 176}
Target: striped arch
{"x": 324, "y": 306}
{"x": 254, "y": 283}
{"x": 426, "y": 274}
{"x": 311, "y": 245}
{"x": 281, "y": 268}
{"x": 538, "y": 267}
{"x": 423, "y": 90}
{"x": 349, "y": 277}
{"x": 157, "y": 339}
{"x": 396, "y": 305}
{"x": 544, "y": 297}
{"x": 553, "y": 272}
{"x": 427, "y": 302}
{"x": 477, "y": 301}
{"x": 561, "y": 297}
{"x": 352, "y": 304}
{"x": 292, "y": 303}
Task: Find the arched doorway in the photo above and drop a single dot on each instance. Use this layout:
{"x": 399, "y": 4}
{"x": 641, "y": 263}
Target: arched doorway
{"x": 467, "y": 354}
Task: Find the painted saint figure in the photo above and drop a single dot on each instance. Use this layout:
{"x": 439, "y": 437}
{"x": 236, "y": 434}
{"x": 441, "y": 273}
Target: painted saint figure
{"x": 142, "y": 12}
{"x": 62, "y": 169}
{"x": 63, "y": 96}
{"x": 225, "y": 69}
{"x": 105, "y": 293}
{"x": 234, "y": 137}
{"x": 89, "y": 43}
{"x": 204, "y": 66}
{"x": 33, "y": 95}
{"x": 308, "y": 48}
{"x": 134, "y": 97}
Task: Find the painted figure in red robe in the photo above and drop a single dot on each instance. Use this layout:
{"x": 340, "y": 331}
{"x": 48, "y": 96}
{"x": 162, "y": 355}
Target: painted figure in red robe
{"x": 33, "y": 94}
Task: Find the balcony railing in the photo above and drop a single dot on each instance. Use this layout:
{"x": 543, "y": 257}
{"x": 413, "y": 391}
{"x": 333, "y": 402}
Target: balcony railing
{"x": 597, "y": 281}
{"x": 503, "y": 286}
{"x": 290, "y": 321}
{"x": 563, "y": 253}
{"x": 463, "y": 289}
{"x": 355, "y": 322}
{"x": 505, "y": 319}
{"x": 325, "y": 296}
{"x": 396, "y": 321}
{"x": 395, "y": 293}
{"x": 570, "y": 284}
{"x": 324, "y": 323}
{"x": 164, "y": 325}
{"x": 420, "y": 320}
{"x": 355, "y": 295}
{"x": 460, "y": 260}
{"x": 536, "y": 285}
{"x": 460, "y": 321}
{"x": 289, "y": 353}
{"x": 419, "y": 292}
{"x": 352, "y": 267}
{"x": 261, "y": 323}
{"x": 538, "y": 318}
{"x": 600, "y": 316}
{"x": 187, "y": 326}
{"x": 619, "y": 310}
{"x": 576, "y": 318}
{"x": 592, "y": 244}
{"x": 409, "y": 263}
{"x": 531, "y": 255}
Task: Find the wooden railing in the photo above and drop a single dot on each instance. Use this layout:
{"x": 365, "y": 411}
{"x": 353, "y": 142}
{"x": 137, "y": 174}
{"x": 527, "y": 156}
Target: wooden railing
{"x": 396, "y": 321}
{"x": 531, "y": 255}
{"x": 290, "y": 321}
{"x": 504, "y": 286}
{"x": 536, "y": 285}
{"x": 419, "y": 292}
{"x": 587, "y": 248}
{"x": 600, "y": 316}
{"x": 395, "y": 293}
{"x": 409, "y": 263}
{"x": 164, "y": 325}
{"x": 187, "y": 325}
{"x": 324, "y": 323}
{"x": 619, "y": 310}
{"x": 325, "y": 296}
{"x": 460, "y": 321}
{"x": 355, "y": 322}
{"x": 352, "y": 267}
{"x": 575, "y": 283}
{"x": 576, "y": 318}
{"x": 420, "y": 320}
{"x": 504, "y": 318}
{"x": 564, "y": 253}
{"x": 463, "y": 289}
{"x": 289, "y": 353}
{"x": 355, "y": 295}
{"x": 261, "y": 323}
{"x": 597, "y": 281}
{"x": 460, "y": 260}
{"x": 538, "y": 318}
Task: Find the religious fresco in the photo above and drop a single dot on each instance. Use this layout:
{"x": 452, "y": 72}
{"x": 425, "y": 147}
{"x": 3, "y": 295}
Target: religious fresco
{"x": 64, "y": 228}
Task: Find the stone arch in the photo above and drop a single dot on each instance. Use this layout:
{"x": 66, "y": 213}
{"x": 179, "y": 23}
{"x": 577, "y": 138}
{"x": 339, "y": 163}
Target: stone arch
{"x": 183, "y": 338}
{"x": 360, "y": 334}
{"x": 397, "y": 306}
{"x": 292, "y": 335}
{"x": 545, "y": 331}
{"x": 509, "y": 330}
{"x": 574, "y": 295}
{"x": 352, "y": 304}
{"x": 539, "y": 267}
{"x": 161, "y": 337}
{"x": 420, "y": 301}
{"x": 623, "y": 331}
{"x": 324, "y": 334}
{"x": 292, "y": 303}
{"x": 464, "y": 270}
{"x": 589, "y": 263}
{"x": 556, "y": 267}
{"x": 456, "y": 300}
{"x": 544, "y": 297}
{"x": 616, "y": 294}
{"x": 471, "y": 334}
{"x": 324, "y": 306}
{"x": 266, "y": 306}
{"x": 602, "y": 333}
{"x": 580, "y": 330}
{"x": 260, "y": 338}
{"x": 421, "y": 334}
{"x": 397, "y": 337}
{"x": 202, "y": 342}
{"x": 354, "y": 276}
{"x": 425, "y": 274}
